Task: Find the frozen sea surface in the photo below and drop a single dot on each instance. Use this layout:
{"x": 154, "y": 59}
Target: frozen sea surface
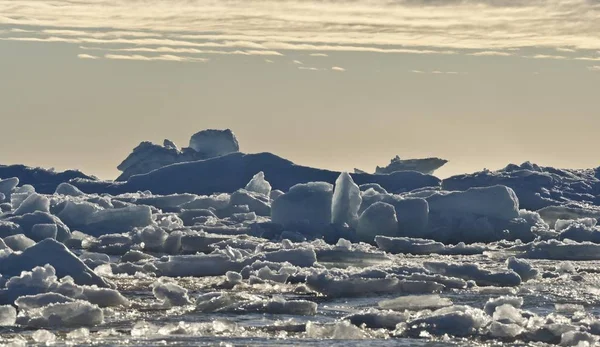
{"x": 505, "y": 258}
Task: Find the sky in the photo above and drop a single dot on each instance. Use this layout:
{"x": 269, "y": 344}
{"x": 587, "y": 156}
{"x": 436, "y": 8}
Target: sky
{"x": 337, "y": 84}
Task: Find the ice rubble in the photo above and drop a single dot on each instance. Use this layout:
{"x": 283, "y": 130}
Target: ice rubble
{"x": 252, "y": 240}
{"x": 426, "y": 166}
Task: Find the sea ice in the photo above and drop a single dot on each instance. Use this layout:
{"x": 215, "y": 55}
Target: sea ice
{"x": 170, "y": 293}
{"x": 259, "y": 185}
{"x": 18, "y": 242}
{"x": 308, "y": 203}
{"x": 415, "y": 303}
{"x": 34, "y": 202}
{"x": 68, "y": 190}
{"x": 8, "y": 315}
{"x": 378, "y": 219}
{"x": 346, "y": 201}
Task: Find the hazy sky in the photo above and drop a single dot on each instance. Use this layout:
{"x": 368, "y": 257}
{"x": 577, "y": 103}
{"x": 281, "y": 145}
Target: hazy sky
{"x": 329, "y": 83}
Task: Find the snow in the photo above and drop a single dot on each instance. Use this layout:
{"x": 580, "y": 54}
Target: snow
{"x": 259, "y": 185}
{"x": 377, "y": 219}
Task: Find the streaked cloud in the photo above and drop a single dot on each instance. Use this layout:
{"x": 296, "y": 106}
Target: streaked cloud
{"x": 268, "y": 27}
{"x": 491, "y": 53}
{"x": 547, "y": 56}
{"x": 435, "y": 72}
{"x": 86, "y": 56}
{"x": 337, "y": 68}
{"x": 318, "y": 55}
{"x": 173, "y": 58}
{"x": 595, "y": 68}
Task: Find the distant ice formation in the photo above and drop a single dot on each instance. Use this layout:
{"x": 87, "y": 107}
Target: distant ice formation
{"x": 426, "y": 165}
{"x": 205, "y": 144}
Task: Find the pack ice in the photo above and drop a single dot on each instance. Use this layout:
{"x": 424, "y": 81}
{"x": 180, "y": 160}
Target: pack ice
{"x": 207, "y": 243}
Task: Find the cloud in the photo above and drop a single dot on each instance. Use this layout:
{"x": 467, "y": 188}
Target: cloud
{"x": 86, "y": 56}
{"x": 435, "y": 72}
{"x": 298, "y": 62}
{"x": 491, "y": 53}
{"x": 268, "y": 61}
{"x": 595, "y": 68}
{"x": 588, "y": 58}
{"x": 547, "y": 56}
{"x": 369, "y": 26}
{"x": 308, "y": 68}
{"x": 172, "y": 58}
{"x": 318, "y": 55}
{"x": 337, "y": 68}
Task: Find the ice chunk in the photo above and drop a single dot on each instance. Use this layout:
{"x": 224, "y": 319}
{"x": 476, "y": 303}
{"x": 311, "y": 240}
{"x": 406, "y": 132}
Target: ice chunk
{"x": 453, "y": 320}
{"x": 103, "y": 297}
{"x": 562, "y": 224}
{"x": 8, "y": 315}
{"x": 378, "y": 219}
{"x": 75, "y": 214}
{"x": 343, "y": 330}
{"x": 68, "y": 190}
{"x": 214, "y": 143}
{"x": 562, "y": 250}
{"x": 44, "y": 231}
{"x": 482, "y": 277}
{"x": 170, "y": 293}
{"x": 71, "y": 314}
{"x": 18, "y": 242}
{"x": 275, "y": 194}
{"x": 30, "y": 302}
{"x": 27, "y": 221}
{"x": 43, "y": 336}
{"x": 7, "y": 185}
{"x": 415, "y": 303}
{"x": 522, "y": 267}
{"x": 497, "y": 201}
{"x": 77, "y": 334}
{"x": 507, "y": 313}
{"x": 259, "y": 185}
{"x": 346, "y": 201}
{"x": 374, "y": 186}
{"x": 398, "y": 245}
{"x": 64, "y": 261}
{"x": 505, "y": 330}
{"x": 347, "y": 287}
{"x": 308, "y": 203}
{"x": 153, "y": 237}
{"x": 378, "y": 319}
{"x": 34, "y": 202}
{"x": 117, "y": 220}
{"x": 578, "y": 339}
{"x": 491, "y": 304}
{"x": 256, "y": 202}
